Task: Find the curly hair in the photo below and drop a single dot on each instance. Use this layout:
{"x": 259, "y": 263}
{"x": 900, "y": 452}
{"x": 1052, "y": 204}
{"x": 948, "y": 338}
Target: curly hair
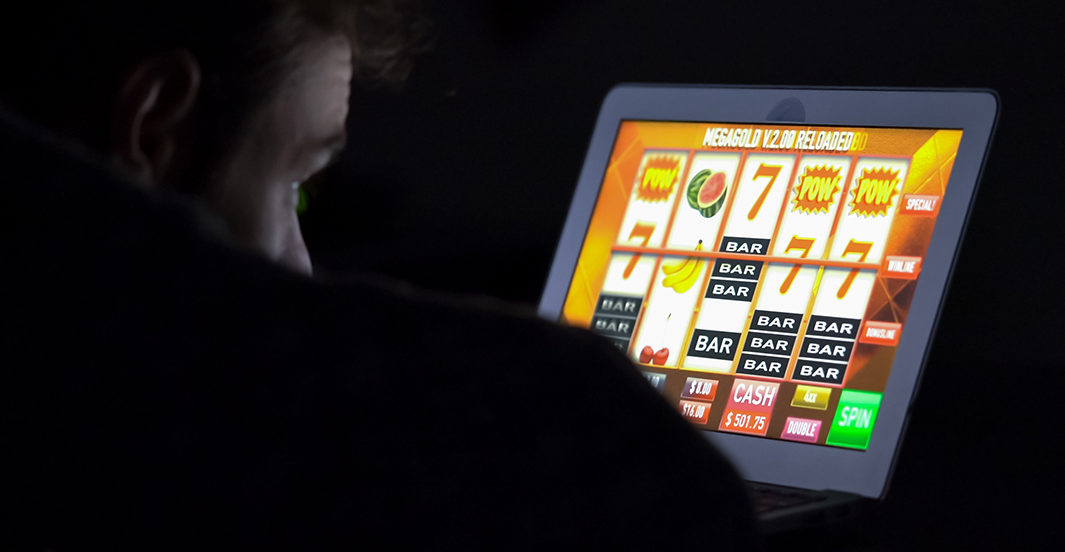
{"x": 64, "y": 59}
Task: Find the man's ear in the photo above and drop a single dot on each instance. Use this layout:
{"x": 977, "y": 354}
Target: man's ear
{"x": 156, "y": 96}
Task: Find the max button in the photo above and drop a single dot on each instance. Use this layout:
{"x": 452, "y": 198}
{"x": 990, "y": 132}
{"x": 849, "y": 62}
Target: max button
{"x": 808, "y": 396}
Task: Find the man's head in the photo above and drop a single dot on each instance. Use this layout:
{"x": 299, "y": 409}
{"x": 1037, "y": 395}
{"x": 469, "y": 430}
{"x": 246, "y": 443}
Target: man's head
{"x": 235, "y": 102}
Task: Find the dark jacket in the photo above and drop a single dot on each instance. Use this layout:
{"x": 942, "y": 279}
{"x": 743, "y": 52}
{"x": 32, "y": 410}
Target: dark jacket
{"x": 164, "y": 389}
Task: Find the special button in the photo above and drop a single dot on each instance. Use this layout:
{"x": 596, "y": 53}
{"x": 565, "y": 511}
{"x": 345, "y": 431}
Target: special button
{"x": 920, "y": 205}
{"x": 808, "y": 396}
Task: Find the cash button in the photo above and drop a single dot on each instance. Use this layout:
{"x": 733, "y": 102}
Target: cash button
{"x": 808, "y": 396}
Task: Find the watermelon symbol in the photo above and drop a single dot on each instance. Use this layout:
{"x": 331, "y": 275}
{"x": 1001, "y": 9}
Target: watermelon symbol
{"x": 707, "y": 191}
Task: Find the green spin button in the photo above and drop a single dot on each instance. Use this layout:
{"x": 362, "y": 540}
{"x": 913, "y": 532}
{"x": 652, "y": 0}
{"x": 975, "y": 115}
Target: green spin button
{"x": 855, "y": 416}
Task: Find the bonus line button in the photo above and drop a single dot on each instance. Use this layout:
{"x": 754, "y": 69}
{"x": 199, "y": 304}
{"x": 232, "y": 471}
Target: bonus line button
{"x": 880, "y": 333}
{"x": 695, "y": 412}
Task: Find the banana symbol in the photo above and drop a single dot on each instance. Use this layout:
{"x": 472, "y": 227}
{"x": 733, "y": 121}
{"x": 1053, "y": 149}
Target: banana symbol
{"x": 682, "y": 274}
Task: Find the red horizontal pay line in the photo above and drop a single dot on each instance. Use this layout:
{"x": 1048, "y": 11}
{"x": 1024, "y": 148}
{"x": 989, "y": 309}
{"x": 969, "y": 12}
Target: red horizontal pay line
{"x": 742, "y": 257}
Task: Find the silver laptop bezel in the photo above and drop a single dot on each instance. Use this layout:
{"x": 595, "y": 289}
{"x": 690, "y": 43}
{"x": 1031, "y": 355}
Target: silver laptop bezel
{"x": 773, "y": 461}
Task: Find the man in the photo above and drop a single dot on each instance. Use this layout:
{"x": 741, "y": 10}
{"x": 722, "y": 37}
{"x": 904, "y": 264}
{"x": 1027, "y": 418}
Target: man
{"x": 237, "y": 116}
{"x": 174, "y": 381}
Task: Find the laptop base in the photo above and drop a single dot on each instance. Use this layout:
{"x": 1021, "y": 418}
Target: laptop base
{"x": 780, "y": 508}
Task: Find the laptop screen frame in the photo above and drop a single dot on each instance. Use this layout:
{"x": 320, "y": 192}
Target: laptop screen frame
{"x": 974, "y": 112}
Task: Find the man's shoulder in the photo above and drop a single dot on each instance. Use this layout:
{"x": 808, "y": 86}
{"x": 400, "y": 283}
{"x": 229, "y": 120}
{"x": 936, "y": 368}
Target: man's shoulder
{"x": 472, "y": 324}
{"x": 161, "y": 361}
{"x": 482, "y": 341}
{"x": 548, "y": 432}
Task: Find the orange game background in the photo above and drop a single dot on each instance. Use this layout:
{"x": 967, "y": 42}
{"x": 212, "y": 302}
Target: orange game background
{"x": 931, "y": 154}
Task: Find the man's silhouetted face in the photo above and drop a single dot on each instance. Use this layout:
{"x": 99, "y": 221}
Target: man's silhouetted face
{"x": 294, "y": 135}
{"x": 284, "y": 134}
{"x": 233, "y": 103}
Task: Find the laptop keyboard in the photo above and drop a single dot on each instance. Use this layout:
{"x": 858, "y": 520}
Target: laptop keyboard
{"x": 768, "y": 498}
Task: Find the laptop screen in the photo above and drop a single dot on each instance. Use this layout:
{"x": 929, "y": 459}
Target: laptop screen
{"x": 761, "y": 275}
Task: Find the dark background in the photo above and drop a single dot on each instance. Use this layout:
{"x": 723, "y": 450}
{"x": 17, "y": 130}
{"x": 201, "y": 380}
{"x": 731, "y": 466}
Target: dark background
{"x": 460, "y": 181}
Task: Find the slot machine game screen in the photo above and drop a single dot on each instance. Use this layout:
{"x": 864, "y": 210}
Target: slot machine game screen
{"x": 761, "y": 275}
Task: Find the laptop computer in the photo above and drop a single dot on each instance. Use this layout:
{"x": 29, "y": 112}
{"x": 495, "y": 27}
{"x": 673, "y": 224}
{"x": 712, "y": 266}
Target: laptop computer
{"x": 774, "y": 260}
